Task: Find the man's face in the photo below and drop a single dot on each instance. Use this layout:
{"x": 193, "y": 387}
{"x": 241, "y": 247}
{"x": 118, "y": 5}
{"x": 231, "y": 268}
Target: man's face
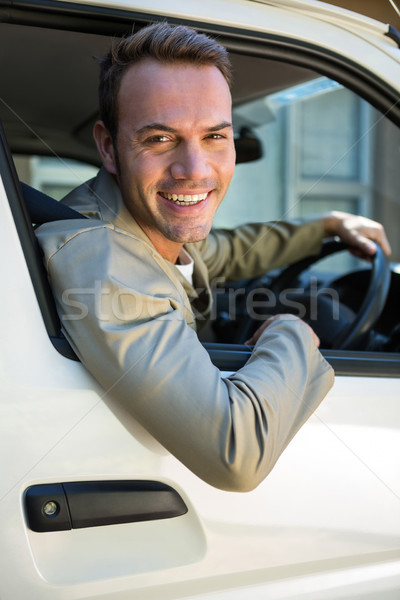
{"x": 175, "y": 149}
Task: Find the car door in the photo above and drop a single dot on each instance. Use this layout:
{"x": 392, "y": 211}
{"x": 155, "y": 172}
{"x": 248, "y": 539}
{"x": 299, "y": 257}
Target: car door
{"x": 91, "y": 505}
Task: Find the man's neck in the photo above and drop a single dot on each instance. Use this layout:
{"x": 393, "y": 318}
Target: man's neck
{"x": 168, "y": 249}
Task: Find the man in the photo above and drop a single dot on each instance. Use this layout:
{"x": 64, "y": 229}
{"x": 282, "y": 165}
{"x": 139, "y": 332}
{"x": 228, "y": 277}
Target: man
{"x": 130, "y": 282}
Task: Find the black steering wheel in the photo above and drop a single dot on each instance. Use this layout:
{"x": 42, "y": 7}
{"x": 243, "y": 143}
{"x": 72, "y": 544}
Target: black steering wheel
{"x": 351, "y": 329}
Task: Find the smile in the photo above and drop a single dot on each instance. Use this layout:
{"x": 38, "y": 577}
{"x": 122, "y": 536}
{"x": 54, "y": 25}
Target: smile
{"x": 185, "y": 199}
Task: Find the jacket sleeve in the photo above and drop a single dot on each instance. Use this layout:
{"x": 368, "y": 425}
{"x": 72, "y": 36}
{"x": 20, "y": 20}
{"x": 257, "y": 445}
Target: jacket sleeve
{"x": 254, "y": 249}
{"x": 124, "y": 319}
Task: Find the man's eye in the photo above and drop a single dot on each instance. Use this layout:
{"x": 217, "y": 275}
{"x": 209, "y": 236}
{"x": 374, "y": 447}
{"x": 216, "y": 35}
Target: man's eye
{"x": 157, "y": 139}
{"x": 216, "y": 136}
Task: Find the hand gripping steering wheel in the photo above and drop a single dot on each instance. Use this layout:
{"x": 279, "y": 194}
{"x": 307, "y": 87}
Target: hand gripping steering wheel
{"x": 354, "y": 330}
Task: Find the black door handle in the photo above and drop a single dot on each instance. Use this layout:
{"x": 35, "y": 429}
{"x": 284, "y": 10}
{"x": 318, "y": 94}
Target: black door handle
{"x": 63, "y": 506}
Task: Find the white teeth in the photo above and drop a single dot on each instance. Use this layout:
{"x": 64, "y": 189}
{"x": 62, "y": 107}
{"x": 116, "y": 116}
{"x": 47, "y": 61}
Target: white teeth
{"x": 185, "y": 199}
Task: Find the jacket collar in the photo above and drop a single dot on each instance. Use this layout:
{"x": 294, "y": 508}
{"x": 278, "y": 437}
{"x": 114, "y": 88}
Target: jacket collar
{"x": 101, "y": 199}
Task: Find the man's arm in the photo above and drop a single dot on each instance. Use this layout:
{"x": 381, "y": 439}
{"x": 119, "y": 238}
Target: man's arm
{"x": 254, "y": 249}
{"x": 125, "y": 320}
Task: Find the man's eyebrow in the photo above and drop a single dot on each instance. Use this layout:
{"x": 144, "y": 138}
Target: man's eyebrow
{"x": 161, "y": 127}
{"x": 220, "y": 126}
{"x": 155, "y": 127}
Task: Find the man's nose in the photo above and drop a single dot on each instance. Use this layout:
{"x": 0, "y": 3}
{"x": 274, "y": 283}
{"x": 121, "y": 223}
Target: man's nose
{"x": 191, "y": 161}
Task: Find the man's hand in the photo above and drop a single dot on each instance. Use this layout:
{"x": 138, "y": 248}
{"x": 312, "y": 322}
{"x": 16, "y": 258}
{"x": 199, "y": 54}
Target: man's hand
{"x": 358, "y": 232}
{"x": 287, "y": 317}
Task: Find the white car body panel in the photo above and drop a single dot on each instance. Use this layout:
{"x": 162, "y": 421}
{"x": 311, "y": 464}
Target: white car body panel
{"x": 326, "y": 522}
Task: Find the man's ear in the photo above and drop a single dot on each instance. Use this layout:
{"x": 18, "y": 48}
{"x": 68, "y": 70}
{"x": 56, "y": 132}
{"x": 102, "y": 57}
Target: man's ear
{"x": 105, "y": 146}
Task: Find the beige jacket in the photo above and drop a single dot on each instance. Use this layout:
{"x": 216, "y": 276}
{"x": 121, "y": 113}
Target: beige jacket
{"x": 131, "y": 317}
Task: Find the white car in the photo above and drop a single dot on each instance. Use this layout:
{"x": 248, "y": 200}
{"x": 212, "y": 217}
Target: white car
{"x": 91, "y": 506}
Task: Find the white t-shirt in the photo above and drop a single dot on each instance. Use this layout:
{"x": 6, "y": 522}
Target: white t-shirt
{"x": 185, "y": 265}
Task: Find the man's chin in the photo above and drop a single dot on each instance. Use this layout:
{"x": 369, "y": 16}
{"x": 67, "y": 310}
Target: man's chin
{"x": 183, "y": 236}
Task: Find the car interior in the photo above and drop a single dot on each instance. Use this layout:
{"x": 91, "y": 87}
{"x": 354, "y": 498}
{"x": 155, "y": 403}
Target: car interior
{"x": 312, "y": 134}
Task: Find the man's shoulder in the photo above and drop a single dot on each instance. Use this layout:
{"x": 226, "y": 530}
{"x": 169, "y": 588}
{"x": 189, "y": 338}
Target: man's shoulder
{"x": 79, "y": 252}
{"x": 86, "y": 238}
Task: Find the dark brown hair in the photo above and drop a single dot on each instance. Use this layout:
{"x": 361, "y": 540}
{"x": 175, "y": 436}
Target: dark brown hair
{"x": 162, "y": 42}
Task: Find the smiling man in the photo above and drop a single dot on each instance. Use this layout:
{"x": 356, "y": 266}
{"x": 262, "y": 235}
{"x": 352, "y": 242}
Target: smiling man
{"x": 174, "y": 154}
{"x": 133, "y": 282}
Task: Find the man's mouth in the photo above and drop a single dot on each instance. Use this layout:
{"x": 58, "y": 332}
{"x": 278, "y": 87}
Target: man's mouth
{"x": 184, "y": 199}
